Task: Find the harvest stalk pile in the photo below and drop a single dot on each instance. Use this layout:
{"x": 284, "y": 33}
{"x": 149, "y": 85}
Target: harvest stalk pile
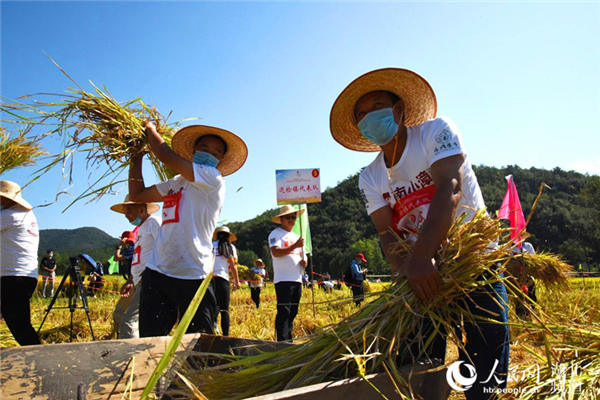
{"x": 376, "y": 337}
{"x": 106, "y": 131}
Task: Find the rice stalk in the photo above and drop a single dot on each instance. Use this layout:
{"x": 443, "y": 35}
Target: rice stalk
{"x": 378, "y": 333}
{"x": 20, "y": 151}
{"x": 106, "y": 131}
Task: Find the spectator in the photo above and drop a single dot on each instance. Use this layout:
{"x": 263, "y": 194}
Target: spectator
{"x": 258, "y": 275}
{"x": 358, "y": 273}
{"x": 48, "y": 272}
{"x": 18, "y": 262}
{"x": 225, "y": 264}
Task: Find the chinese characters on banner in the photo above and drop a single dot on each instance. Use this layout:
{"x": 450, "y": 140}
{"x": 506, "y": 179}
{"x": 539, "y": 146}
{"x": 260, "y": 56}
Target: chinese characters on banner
{"x": 296, "y": 186}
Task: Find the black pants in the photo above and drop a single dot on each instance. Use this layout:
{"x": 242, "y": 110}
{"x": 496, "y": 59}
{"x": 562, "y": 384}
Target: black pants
{"x": 164, "y": 300}
{"x": 255, "y": 295}
{"x": 16, "y": 293}
{"x": 358, "y": 293}
{"x": 222, "y": 293}
{"x": 288, "y": 299}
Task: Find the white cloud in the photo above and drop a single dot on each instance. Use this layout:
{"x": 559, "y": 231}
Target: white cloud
{"x": 591, "y": 167}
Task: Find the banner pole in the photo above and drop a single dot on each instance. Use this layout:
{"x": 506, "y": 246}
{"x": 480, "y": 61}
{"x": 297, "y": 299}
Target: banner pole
{"x": 310, "y": 277}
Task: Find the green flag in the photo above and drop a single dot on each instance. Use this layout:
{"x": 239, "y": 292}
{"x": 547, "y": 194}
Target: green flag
{"x": 113, "y": 266}
{"x": 305, "y": 227}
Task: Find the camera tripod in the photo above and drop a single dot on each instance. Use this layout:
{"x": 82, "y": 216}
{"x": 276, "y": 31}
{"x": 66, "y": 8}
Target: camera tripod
{"x": 77, "y": 288}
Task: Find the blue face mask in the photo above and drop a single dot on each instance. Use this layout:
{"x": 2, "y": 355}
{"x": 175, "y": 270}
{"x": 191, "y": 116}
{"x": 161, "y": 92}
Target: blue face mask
{"x": 379, "y": 126}
{"x": 204, "y": 158}
{"x": 136, "y": 222}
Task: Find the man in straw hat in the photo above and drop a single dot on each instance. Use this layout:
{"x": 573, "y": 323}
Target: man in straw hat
{"x": 147, "y": 225}
{"x": 259, "y": 274}
{"x": 182, "y": 256}
{"x": 288, "y": 266}
{"x": 417, "y": 185}
{"x": 18, "y": 262}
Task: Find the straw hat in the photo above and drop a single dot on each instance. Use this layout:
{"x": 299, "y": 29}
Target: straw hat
{"x": 237, "y": 152}
{"x": 232, "y": 237}
{"x": 285, "y": 210}
{"x": 259, "y": 261}
{"x": 417, "y": 95}
{"x": 121, "y": 207}
{"x": 12, "y": 191}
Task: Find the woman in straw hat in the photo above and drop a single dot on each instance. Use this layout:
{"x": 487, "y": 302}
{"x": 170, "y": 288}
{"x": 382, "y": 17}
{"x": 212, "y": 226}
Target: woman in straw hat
{"x": 288, "y": 266}
{"x": 256, "y": 283}
{"x": 147, "y": 225}
{"x": 182, "y": 256}
{"x": 18, "y": 262}
{"x": 225, "y": 263}
{"x": 417, "y": 185}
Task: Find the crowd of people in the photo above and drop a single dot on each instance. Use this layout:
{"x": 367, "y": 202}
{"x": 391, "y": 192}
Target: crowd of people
{"x": 418, "y": 184}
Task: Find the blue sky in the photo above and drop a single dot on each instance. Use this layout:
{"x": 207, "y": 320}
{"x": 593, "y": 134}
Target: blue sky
{"x": 520, "y": 80}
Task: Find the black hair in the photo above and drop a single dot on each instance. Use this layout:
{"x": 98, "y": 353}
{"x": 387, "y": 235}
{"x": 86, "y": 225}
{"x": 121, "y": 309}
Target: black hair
{"x": 225, "y": 247}
{"x": 395, "y": 98}
{"x": 213, "y": 136}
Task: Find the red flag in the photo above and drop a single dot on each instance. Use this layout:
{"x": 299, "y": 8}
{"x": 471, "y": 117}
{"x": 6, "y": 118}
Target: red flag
{"x": 511, "y": 210}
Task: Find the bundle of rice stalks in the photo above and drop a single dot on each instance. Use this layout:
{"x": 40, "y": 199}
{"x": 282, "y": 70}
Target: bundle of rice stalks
{"x": 107, "y": 131}
{"x": 377, "y": 335}
{"x": 19, "y": 151}
{"x": 546, "y": 268}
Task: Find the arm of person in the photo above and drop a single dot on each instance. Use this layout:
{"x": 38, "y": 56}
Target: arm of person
{"x": 137, "y": 188}
{"x": 127, "y": 287}
{"x": 163, "y": 152}
{"x": 421, "y": 272}
{"x": 118, "y": 256}
{"x": 234, "y": 272}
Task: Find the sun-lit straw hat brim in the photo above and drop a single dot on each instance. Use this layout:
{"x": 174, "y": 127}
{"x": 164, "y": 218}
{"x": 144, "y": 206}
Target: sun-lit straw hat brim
{"x": 232, "y": 237}
{"x": 285, "y": 210}
{"x": 417, "y": 95}
{"x": 122, "y": 207}
{"x": 12, "y": 191}
{"x": 237, "y": 152}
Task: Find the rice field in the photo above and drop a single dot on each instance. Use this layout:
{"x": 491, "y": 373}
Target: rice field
{"x": 576, "y": 306}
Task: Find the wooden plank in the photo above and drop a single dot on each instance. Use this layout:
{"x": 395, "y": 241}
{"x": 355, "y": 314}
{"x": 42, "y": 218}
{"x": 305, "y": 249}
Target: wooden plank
{"x": 60, "y": 371}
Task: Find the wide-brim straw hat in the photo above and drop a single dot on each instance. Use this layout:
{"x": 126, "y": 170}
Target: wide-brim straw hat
{"x": 418, "y": 97}
{"x": 232, "y": 237}
{"x": 235, "y": 156}
{"x": 122, "y": 207}
{"x": 259, "y": 261}
{"x": 285, "y": 210}
{"x": 12, "y": 191}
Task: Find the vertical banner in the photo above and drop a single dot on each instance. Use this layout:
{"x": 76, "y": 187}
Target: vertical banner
{"x": 305, "y": 227}
{"x": 297, "y": 186}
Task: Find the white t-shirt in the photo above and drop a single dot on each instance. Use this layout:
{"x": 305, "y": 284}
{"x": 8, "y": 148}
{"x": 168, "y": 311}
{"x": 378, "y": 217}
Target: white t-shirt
{"x": 286, "y": 268}
{"x": 412, "y": 182}
{"x": 183, "y": 248}
{"x": 20, "y": 237}
{"x": 221, "y": 263}
{"x": 146, "y": 235}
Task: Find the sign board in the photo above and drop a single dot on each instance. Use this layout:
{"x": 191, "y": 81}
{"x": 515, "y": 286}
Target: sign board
{"x": 296, "y": 186}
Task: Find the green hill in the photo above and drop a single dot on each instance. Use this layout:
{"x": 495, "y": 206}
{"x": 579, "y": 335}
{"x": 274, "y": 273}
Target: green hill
{"x": 71, "y": 242}
{"x": 566, "y": 221}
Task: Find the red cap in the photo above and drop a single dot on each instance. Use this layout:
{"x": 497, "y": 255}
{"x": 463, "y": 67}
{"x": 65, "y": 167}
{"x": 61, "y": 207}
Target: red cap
{"x": 128, "y": 235}
{"x": 362, "y": 257}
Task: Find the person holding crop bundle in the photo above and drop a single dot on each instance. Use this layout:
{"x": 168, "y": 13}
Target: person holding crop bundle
{"x": 417, "y": 185}
{"x": 288, "y": 266}
{"x": 225, "y": 263}
{"x": 258, "y": 275}
{"x": 182, "y": 256}
{"x": 18, "y": 262}
{"x": 126, "y": 314}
